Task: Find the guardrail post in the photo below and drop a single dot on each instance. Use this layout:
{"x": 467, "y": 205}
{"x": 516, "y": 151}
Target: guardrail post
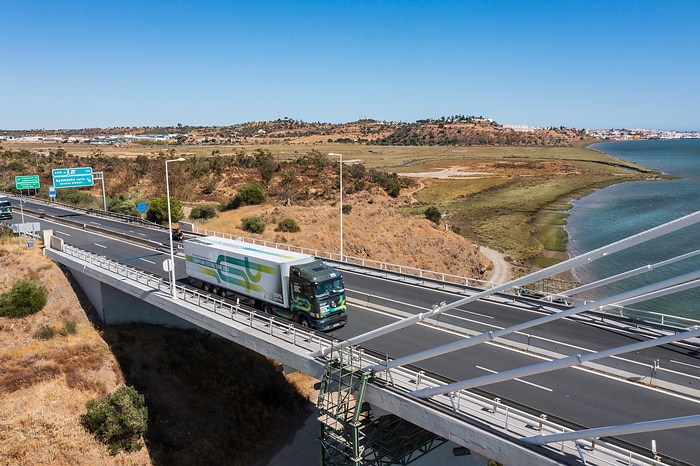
{"x": 496, "y": 402}
{"x": 543, "y": 417}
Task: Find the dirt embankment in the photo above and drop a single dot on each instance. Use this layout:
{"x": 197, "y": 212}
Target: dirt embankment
{"x": 209, "y": 401}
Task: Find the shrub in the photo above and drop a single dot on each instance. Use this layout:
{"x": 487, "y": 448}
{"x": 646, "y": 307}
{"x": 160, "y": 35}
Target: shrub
{"x": 70, "y": 327}
{"x": 251, "y": 194}
{"x": 26, "y": 297}
{"x": 288, "y": 225}
{"x": 253, "y": 224}
{"x": 433, "y": 214}
{"x": 203, "y": 212}
{"x": 118, "y": 420}
{"x": 45, "y": 332}
{"x": 347, "y": 208}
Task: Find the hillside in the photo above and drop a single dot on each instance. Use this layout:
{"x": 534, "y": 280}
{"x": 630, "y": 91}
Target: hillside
{"x": 209, "y": 400}
{"x": 453, "y": 130}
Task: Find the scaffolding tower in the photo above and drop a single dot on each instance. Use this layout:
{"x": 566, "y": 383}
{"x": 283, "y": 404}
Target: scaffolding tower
{"x": 349, "y": 433}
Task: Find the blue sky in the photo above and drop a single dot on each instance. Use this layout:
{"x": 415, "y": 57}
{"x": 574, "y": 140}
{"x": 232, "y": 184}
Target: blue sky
{"x": 586, "y": 64}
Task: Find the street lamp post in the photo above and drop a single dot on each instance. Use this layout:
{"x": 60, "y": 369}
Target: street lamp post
{"x": 170, "y": 228}
{"x": 341, "y": 203}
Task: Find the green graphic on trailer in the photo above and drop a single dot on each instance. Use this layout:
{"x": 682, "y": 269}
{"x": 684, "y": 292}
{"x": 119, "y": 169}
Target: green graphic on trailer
{"x": 248, "y": 273}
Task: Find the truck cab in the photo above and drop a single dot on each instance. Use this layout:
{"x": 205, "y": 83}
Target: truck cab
{"x": 317, "y": 296}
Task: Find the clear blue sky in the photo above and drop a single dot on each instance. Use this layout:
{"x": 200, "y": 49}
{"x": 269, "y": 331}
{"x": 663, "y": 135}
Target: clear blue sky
{"x": 586, "y": 64}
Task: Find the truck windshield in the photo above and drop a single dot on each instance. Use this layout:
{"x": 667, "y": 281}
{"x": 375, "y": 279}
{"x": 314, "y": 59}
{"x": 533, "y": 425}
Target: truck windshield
{"x": 328, "y": 288}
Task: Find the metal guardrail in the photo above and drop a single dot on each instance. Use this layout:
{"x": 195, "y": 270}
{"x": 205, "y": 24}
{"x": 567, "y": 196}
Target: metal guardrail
{"x": 466, "y": 284}
{"x": 465, "y": 406}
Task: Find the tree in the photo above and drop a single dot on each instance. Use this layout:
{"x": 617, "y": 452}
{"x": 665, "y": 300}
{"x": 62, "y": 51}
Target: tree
{"x": 433, "y": 214}
{"x": 265, "y": 163}
{"x": 158, "y": 210}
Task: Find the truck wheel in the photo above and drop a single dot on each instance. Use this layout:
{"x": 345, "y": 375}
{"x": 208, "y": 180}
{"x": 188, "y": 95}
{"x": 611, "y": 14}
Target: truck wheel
{"x": 267, "y": 308}
{"x": 206, "y": 287}
{"x": 304, "y": 322}
{"x": 216, "y": 290}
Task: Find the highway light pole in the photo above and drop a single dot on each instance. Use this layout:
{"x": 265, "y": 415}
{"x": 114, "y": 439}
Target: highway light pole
{"x": 170, "y": 227}
{"x": 341, "y": 203}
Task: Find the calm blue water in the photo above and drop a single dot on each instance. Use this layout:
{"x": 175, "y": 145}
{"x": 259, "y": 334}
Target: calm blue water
{"x": 624, "y": 209}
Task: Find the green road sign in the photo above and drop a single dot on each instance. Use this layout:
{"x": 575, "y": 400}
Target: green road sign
{"x": 27, "y": 182}
{"x": 75, "y": 181}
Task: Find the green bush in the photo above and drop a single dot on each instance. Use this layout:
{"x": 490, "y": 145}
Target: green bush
{"x": 203, "y": 212}
{"x": 253, "y": 224}
{"x": 158, "y": 210}
{"x": 70, "y": 327}
{"x": 251, "y": 194}
{"x": 119, "y": 420}
{"x": 288, "y": 225}
{"x": 45, "y": 332}
{"x": 433, "y": 214}
{"x": 26, "y": 297}
{"x": 347, "y": 208}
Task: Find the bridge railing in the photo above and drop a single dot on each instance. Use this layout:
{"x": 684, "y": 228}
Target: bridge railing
{"x": 465, "y": 405}
{"x": 465, "y": 284}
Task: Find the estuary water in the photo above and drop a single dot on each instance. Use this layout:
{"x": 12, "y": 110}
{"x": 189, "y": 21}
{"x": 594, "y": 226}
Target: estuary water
{"x": 624, "y": 209}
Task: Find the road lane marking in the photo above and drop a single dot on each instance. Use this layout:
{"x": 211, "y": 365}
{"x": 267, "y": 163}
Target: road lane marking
{"x": 137, "y": 233}
{"x": 100, "y": 245}
{"x": 63, "y": 233}
{"x": 684, "y": 363}
{"x": 95, "y": 223}
{"x": 146, "y": 260}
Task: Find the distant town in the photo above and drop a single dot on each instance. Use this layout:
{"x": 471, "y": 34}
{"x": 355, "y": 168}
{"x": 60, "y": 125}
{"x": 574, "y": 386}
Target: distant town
{"x": 631, "y": 134}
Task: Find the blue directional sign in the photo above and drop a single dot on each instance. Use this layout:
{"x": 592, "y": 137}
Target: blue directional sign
{"x": 75, "y": 181}
{"x": 52, "y": 191}
{"x": 72, "y": 177}
{"x": 71, "y": 171}
{"x": 27, "y": 182}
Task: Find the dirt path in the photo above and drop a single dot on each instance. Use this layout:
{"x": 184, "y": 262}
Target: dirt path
{"x": 501, "y": 268}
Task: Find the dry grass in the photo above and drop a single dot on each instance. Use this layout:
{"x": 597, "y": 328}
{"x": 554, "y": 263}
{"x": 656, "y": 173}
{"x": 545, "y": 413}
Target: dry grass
{"x": 44, "y": 384}
{"x": 209, "y": 401}
{"x": 374, "y": 229}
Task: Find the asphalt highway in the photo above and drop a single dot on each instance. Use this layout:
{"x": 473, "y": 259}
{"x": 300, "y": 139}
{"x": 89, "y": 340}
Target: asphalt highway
{"x": 584, "y": 397}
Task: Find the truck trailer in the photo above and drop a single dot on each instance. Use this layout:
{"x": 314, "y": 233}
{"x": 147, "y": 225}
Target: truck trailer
{"x": 287, "y": 284}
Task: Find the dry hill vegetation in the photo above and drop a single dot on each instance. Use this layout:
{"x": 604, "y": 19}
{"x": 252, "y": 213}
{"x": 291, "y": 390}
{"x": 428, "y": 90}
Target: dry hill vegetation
{"x": 209, "y": 401}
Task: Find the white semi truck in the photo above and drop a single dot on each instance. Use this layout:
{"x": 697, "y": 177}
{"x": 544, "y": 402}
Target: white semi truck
{"x": 291, "y": 285}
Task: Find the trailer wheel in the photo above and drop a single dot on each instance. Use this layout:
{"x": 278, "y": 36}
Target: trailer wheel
{"x": 216, "y": 290}
{"x": 267, "y": 308}
{"x": 304, "y": 322}
{"x": 206, "y": 287}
